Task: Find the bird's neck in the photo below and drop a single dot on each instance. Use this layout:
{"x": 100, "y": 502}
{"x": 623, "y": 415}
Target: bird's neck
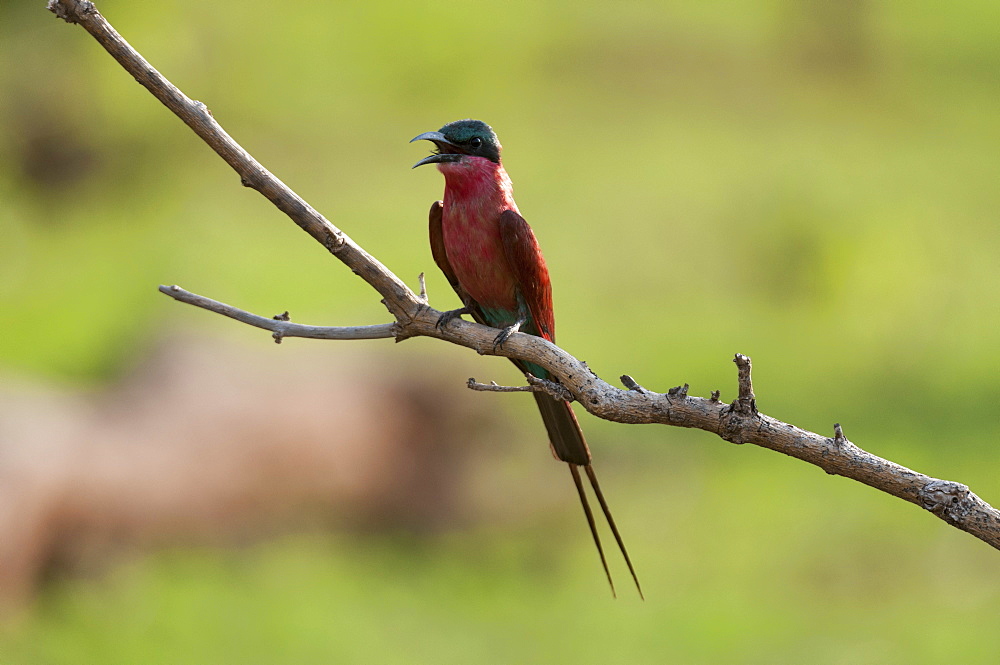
{"x": 476, "y": 179}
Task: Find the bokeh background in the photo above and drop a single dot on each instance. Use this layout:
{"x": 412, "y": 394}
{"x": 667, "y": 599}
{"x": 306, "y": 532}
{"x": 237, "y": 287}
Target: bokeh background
{"x": 811, "y": 183}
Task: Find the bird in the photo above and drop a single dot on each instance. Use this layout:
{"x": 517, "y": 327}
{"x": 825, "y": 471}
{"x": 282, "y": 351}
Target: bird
{"x": 492, "y": 260}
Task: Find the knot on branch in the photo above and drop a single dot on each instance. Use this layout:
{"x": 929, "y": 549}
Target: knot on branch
{"x": 334, "y": 241}
{"x": 552, "y": 388}
{"x": 679, "y": 391}
{"x": 735, "y": 426}
{"x": 946, "y": 499}
{"x": 71, "y": 11}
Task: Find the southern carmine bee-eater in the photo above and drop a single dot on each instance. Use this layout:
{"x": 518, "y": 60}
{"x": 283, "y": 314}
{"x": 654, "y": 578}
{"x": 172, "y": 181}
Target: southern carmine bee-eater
{"x": 492, "y": 260}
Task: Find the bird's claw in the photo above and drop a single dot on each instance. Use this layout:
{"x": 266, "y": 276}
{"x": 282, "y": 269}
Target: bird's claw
{"x": 449, "y": 316}
{"x": 503, "y": 336}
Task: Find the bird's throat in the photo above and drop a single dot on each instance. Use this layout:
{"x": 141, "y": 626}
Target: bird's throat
{"x": 479, "y": 182}
{"x": 477, "y": 191}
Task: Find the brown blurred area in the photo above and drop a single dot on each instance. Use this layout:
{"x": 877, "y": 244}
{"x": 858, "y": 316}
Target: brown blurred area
{"x": 206, "y": 442}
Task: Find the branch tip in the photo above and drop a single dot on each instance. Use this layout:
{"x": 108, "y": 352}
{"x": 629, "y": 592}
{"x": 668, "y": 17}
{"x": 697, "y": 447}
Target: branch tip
{"x": 838, "y": 435}
{"x": 745, "y": 402}
{"x": 71, "y": 11}
{"x": 423, "y": 287}
{"x": 277, "y": 325}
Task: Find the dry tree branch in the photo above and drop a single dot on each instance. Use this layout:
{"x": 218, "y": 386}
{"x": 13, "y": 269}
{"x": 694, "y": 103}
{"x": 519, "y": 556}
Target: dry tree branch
{"x": 280, "y": 325}
{"x": 739, "y": 422}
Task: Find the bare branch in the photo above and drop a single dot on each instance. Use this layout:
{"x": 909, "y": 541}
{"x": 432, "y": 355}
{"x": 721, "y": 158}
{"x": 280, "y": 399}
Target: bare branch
{"x": 398, "y": 298}
{"x": 535, "y": 385}
{"x": 280, "y": 326}
{"x": 739, "y": 422}
{"x": 494, "y": 387}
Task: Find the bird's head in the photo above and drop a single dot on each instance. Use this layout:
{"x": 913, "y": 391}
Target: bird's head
{"x": 456, "y": 140}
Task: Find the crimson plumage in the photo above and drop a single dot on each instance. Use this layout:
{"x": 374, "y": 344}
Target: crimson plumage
{"x": 491, "y": 257}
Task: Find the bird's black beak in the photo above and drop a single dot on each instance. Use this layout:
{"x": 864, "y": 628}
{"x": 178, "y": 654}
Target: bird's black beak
{"x": 446, "y": 150}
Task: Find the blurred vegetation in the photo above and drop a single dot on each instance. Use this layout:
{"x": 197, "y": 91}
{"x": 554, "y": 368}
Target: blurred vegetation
{"x": 813, "y": 184}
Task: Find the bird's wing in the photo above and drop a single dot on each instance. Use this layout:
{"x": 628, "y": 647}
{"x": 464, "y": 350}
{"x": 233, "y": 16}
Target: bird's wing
{"x": 437, "y": 245}
{"x": 441, "y": 259}
{"x": 525, "y": 259}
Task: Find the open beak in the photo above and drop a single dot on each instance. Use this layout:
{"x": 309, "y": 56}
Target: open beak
{"x": 446, "y": 151}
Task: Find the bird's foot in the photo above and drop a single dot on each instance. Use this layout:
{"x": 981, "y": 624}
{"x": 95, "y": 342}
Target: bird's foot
{"x": 505, "y": 335}
{"x": 449, "y": 316}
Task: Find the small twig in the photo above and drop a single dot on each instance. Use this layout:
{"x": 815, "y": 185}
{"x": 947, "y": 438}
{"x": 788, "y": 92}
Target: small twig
{"x": 746, "y": 402}
{"x": 279, "y": 325}
{"x": 494, "y": 387}
{"x": 423, "y": 287}
{"x": 631, "y": 383}
{"x": 838, "y": 436}
{"x": 536, "y": 385}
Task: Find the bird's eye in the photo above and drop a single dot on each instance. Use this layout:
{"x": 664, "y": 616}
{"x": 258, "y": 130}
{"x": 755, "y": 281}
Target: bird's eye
{"x": 475, "y": 142}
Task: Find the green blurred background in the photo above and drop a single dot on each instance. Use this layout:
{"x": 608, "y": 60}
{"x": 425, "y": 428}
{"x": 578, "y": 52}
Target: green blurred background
{"x": 814, "y": 184}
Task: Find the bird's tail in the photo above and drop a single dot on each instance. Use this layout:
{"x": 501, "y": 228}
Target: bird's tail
{"x": 568, "y": 445}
